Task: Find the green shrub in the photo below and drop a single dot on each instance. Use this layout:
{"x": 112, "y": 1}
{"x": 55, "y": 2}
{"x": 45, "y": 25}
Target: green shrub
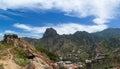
{"x": 18, "y": 52}
{"x": 22, "y": 61}
{"x": 3, "y": 46}
{"x": 51, "y": 55}
{"x": 20, "y": 58}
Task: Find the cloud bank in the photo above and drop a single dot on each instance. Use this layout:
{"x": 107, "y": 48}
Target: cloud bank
{"x": 102, "y": 10}
{"x": 69, "y": 28}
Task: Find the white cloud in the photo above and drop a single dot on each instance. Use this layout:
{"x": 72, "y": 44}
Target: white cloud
{"x": 30, "y": 28}
{"x": 10, "y": 32}
{"x": 102, "y": 10}
{"x": 68, "y": 28}
{"x": 25, "y": 27}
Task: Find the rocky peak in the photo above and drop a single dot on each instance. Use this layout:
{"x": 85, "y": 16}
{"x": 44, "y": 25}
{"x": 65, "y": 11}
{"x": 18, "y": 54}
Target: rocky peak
{"x": 50, "y": 32}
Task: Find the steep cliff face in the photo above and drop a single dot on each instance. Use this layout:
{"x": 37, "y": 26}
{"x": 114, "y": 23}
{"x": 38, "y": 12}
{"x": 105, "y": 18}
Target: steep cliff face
{"x": 16, "y": 53}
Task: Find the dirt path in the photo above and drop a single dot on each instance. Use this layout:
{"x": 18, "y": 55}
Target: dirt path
{"x": 9, "y": 62}
{"x": 10, "y": 55}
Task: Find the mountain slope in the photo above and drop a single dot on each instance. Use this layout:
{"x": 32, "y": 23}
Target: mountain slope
{"x": 16, "y": 53}
{"x": 109, "y": 45}
{"x": 108, "y": 33}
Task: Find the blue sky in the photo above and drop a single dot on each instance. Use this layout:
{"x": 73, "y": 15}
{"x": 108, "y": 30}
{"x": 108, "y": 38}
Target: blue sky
{"x": 30, "y": 18}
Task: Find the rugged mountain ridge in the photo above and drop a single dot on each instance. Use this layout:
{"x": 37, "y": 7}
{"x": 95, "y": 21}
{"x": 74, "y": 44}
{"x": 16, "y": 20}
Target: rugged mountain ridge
{"x": 16, "y": 53}
{"x": 81, "y": 43}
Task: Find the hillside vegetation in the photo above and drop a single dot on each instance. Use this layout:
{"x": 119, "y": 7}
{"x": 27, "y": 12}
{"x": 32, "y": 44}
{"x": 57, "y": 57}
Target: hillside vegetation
{"x": 16, "y": 53}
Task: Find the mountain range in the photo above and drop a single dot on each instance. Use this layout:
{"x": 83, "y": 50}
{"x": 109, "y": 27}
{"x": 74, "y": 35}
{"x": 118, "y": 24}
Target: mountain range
{"x": 81, "y": 44}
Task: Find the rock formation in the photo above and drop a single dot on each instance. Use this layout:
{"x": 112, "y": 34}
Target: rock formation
{"x": 50, "y": 32}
